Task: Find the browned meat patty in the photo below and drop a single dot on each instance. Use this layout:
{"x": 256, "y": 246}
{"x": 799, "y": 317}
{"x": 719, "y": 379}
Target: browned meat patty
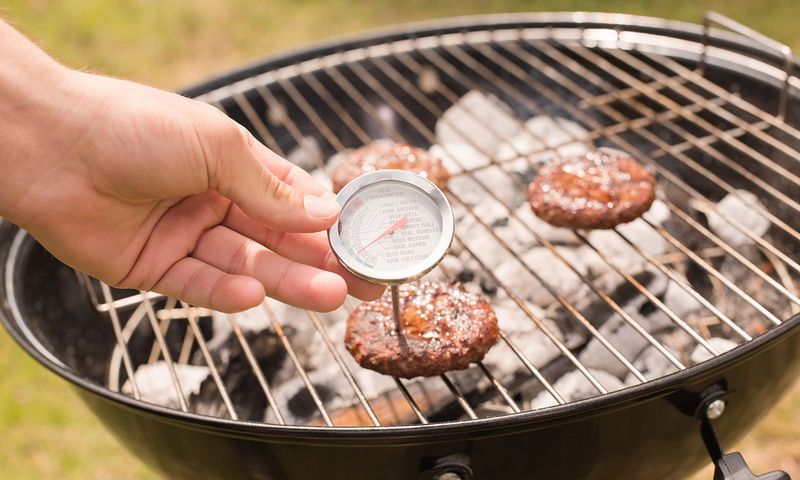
{"x": 387, "y": 155}
{"x": 443, "y": 327}
{"x": 598, "y": 190}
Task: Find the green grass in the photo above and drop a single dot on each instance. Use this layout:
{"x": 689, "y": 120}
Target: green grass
{"x": 46, "y": 431}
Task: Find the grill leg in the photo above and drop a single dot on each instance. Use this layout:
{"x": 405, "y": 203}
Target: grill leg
{"x": 727, "y": 466}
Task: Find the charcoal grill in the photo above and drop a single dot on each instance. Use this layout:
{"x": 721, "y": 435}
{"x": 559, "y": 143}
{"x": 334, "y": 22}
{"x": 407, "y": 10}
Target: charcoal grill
{"x": 709, "y": 109}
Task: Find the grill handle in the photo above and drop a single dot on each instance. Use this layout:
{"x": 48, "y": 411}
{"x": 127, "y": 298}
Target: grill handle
{"x": 713, "y": 18}
{"x": 727, "y": 466}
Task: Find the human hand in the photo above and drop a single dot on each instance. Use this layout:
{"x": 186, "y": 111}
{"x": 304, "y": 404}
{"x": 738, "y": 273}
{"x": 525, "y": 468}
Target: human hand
{"x": 146, "y": 189}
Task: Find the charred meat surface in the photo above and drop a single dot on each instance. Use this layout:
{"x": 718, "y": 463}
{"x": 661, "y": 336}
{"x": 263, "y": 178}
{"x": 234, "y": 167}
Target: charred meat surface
{"x": 442, "y": 327}
{"x": 599, "y": 190}
{"x": 388, "y": 155}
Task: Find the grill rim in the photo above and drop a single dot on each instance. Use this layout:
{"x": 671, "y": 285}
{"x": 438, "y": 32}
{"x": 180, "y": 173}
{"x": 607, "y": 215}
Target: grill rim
{"x": 650, "y": 390}
{"x": 582, "y": 20}
{"x": 12, "y": 320}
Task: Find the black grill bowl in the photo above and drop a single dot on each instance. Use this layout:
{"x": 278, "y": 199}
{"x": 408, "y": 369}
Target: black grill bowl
{"x": 642, "y": 432}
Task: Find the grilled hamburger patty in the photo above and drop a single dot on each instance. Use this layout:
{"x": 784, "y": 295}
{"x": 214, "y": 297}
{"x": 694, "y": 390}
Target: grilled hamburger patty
{"x": 598, "y": 190}
{"x": 442, "y": 327}
{"x": 388, "y": 155}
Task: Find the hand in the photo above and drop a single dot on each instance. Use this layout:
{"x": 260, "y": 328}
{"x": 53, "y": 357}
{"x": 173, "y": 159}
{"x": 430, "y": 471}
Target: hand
{"x": 146, "y": 189}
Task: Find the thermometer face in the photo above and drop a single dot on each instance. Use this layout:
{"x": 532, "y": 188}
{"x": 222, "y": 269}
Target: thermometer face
{"x": 394, "y": 226}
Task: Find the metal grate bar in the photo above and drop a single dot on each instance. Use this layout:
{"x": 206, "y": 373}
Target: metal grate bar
{"x": 500, "y": 388}
{"x": 687, "y": 288}
{"x": 361, "y": 133}
{"x": 254, "y": 119}
{"x": 362, "y": 399}
{"x": 459, "y": 396}
{"x": 592, "y": 56}
{"x": 717, "y": 91}
{"x": 297, "y": 365}
{"x": 126, "y": 358}
{"x": 155, "y": 351}
{"x": 369, "y": 109}
{"x": 251, "y": 359}
{"x": 400, "y": 108}
{"x": 606, "y": 299}
{"x": 719, "y": 276}
{"x": 151, "y": 316}
{"x": 294, "y": 131}
{"x": 677, "y": 153}
{"x": 554, "y": 97}
{"x": 735, "y": 254}
{"x": 411, "y": 402}
{"x": 671, "y": 358}
{"x": 631, "y": 92}
{"x": 652, "y": 138}
{"x": 711, "y": 106}
{"x": 223, "y": 392}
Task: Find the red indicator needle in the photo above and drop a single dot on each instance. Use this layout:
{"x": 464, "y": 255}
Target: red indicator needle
{"x": 400, "y": 223}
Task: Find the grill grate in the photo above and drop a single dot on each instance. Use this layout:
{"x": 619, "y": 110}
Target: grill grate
{"x": 627, "y": 95}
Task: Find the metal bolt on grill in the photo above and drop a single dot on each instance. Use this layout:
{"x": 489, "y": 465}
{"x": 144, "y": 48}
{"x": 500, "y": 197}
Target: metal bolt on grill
{"x": 685, "y": 284}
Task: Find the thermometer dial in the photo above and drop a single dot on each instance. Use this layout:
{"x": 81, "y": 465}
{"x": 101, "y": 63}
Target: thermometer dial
{"x": 394, "y": 226}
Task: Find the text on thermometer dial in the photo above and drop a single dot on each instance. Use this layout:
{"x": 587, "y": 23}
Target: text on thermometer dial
{"x": 394, "y": 226}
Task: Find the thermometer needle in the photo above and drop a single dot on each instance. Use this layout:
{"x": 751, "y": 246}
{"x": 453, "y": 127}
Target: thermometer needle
{"x": 400, "y": 223}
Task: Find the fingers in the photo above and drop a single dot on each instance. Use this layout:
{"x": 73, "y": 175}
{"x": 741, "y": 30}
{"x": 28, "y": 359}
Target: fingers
{"x": 294, "y": 283}
{"x": 200, "y": 284}
{"x": 271, "y": 190}
{"x": 308, "y": 248}
{"x": 174, "y": 236}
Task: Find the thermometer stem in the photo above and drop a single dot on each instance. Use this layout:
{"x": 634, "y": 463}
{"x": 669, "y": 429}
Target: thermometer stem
{"x": 396, "y": 305}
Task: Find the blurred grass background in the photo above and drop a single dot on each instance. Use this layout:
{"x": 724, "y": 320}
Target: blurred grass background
{"x": 46, "y": 431}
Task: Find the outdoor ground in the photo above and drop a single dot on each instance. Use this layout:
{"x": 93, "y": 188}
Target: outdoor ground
{"x": 46, "y": 431}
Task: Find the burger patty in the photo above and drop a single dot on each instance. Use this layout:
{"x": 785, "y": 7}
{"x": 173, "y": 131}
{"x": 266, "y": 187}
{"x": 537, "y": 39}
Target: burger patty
{"x": 388, "y": 155}
{"x": 599, "y": 190}
{"x": 442, "y": 327}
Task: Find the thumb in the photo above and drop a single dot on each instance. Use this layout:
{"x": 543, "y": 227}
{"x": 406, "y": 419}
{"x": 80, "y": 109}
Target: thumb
{"x": 272, "y": 191}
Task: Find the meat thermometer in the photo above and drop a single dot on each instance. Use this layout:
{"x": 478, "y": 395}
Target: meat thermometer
{"x": 394, "y": 227}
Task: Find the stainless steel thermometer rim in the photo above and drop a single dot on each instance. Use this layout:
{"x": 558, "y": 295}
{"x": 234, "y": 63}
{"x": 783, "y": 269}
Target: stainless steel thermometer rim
{"x": 412, "y": 272}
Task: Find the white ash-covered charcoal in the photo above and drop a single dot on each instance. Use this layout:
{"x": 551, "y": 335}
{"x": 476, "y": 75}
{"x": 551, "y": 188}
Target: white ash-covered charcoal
{"x": 658, "y": 213}
{"x": 721, "y": 345}
{"x": 679, "y": 300}
{"x": 556, "y": 235}
{"x": 467, "y": 190}
{"x": 155, "y": 385}
{"x": 544, "y": 137}
{"x": 307, "y": 155}
{"x": 490, "y": 217}
{"x": 502, "y": 185}
{"x": 575, "y": 386}
{"x": 618, "y": 251}
{"x": 652, "y": 364}
{"x": 532, "y": 342}
{"x": 560, "y": 277}
{"x": 628, "y": 342}
{"x": 458, "y": 157}
{"x": 743, "y": 208}
{"x": 479, "y": 119}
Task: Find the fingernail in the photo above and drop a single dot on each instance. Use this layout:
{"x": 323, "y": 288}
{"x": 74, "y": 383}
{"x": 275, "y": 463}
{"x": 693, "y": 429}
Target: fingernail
{"x": 321, "y": 207}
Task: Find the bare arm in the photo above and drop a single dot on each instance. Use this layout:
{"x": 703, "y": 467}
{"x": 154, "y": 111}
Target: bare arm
{"x": 146, "y": 189}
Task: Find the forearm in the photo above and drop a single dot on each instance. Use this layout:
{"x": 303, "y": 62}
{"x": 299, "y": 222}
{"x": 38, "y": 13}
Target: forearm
{"x": 34, "y": 99}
